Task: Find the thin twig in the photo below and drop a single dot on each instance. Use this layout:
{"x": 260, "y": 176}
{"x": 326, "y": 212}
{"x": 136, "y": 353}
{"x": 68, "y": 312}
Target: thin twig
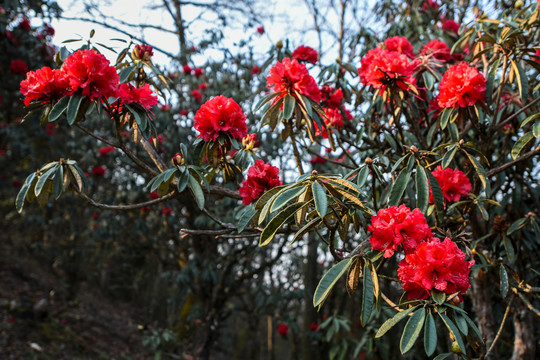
{"x": 94, "y": 203}
{"x": 500, "y": 327}
{"x": 523, "y": 157}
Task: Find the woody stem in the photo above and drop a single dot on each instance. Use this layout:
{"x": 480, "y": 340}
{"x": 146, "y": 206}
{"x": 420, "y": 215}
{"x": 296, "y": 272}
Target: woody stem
{"x": 296, "y": 153}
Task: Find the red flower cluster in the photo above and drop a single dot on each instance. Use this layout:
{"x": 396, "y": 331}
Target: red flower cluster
{"x": 255, "y": 70}
{"x": 435, "y": 265}
{"x": 18, "y": 67}
{"x": 453, "y": 182}
{"x": 461, "y": 86}
{"x": 438, "y": 49}
{"x": 197, "y": 95}
{"x": 398, "y": 225}
{"x": 92, "y": 73}
{"x": 143, "y": 96}
{"x": 142, "y": 52}
{"x": 399, "y": 44}
{"x": 106, "y": 150}
{"x": 305, "y": 53}
{"x": 381, "y": 68}
{"x": 45, "y": 85}
{"x": 451, "y": 26}
{"x": 283, "y": 330}
{"x": 261, "y": 178}
{"x": 187, "y": 69}
{"x": 333, "y": 119}
{"x": 260, "y": 30}
{"x": 98, "y": 171}
{"x": 198, "y": 72}
{"x": 220, "y": 116}
{"x": 290, "y": 75}
{"x": 331, "y": 97}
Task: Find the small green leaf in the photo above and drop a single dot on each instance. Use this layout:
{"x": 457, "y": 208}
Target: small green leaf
{"x": 491, "y": 78}
{"x": 264, "y": 100}
{"x": 437, "y": 194}
{"x": 422, "y": 189}
{"x": 58, "y": 182}
{"x": 367, "y": 296}
{"x": 461, "y": 323}
{"x": 445, "y": 117}
{"x": 454, "y": 330}
{"x": 529, "y": 119}
{"x": 73, "y": 107}
{"x": 183, "y": 181}
{"x": 399, "y": 187}
{"x": 442, "y": 356}
{"x": 42, "y": 180}
{"x": 388, "y": 324}
{"x": 438, "y": 296}
{"x": 447, "y": 158}
{"x": 125, "y": 73}
{"x": 197, "y": 191}
{"x": 520, "y": 144}
{"x": 329, "y": 280}
{"x": 246, "y": 218}
{"x": 412, "y": 330}
{"x": 479, "y": 171}
{"x": 59, "y": 108}
{"x": 362, "y": 176}
{"x": 288, "y": 106}
{"x": 319, "y": 195}
{"x": 286, "y": 196}
{"x": 19, "y": 201}
{"x": 516, "y": 225}
{"x": 430, "y": 335}
{"x": 270, "y": 230}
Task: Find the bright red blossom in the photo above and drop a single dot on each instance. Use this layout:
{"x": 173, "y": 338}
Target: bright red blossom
{"x": 331, "y": 97}
{"x": 45, "y": 85}
{"x": 453, "y": 182}
{"x": 143, "y": 96}
{"x": 220, "y": 116}
{"x": 435, "y": 265}
{"x": 398, "y": 225}
{"x": 90, "y": 72}
{"x": 381, "y": 68}
{"x": 98, "y": 171}
{"x": 283, "y": 330}
{"x": 106, "y": 150}
{"x": 450, "y": 25}
{"x": 198, "y": 72}
{"x": 290, "y": 75}
{"x": 438, "y": 49}
{"x": 399, "y": 44}
{"x": 305, "y": 53}
{"x": 333, "y": 120}
{"x": 461, "y": 86}
{"x": 197, "y": 95}
{"x": 142, "y": 52}
{"x": 261, "y": 178}
{"x": 18, "y": 67}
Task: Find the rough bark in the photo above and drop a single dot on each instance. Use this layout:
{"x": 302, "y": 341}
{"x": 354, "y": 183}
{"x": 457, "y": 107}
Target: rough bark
{"x": 524, "y": 342}
{"x": 484, "y": 310}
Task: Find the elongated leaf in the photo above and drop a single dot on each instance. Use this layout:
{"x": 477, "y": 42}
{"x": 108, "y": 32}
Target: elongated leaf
{"x": 344, "y": 183}
{"x": 479, "y": 171}
{"x": 125, "y": 73}
{"x": 520, "y": 144}
{"x": 529, "y": 119}
{"x": 430, "y": 335}
{"x": 362, "y": 176}
{"x": 461, "y": 323}
{"x": 399, "y": 187}
{"x": 264, "y": 100}
{"x": 390, "y": 323}
{"x": 285, "y": 197}
{"x": 305, "y": 229}
{"x": 516, "y": 225}
{"x": 445, "y": 117}
{"x": 447, "y": 158}
{"x": 474, "y": 328}
{"x": 491, "y": 78}
{"x": 58, "y": 182}
{"x": 437, "y": 194}
{"x": 73, "y": 107}
{"x": 246, "y": 218}
{"x": 442, "y": 356}
{"x": 42, "y": 180}
{"x": 329, "y": 280}
{"x": 182, "y": 182}
{"x": 353, "y": 276}
{"x": 319, "y": 195}
{"x": 521, "y": 78}
{"x": 270, "y": 230}
{"x": 454, "y": 330}
{"x": 412, "y": 330}
{"x": 197, "y": 191}
{"x": 422, "y": 189}
{"x": 267, "y": 196}
{"x": 59, "y": 108}
{"x": 19, "y": 201}
{"x": 367, "y": 296}
{"x": 288, "y": 106}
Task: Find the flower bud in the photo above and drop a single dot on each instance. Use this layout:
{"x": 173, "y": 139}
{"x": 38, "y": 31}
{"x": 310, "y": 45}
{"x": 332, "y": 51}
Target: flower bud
{"x": 279, "y": 44}
{"x": 250, "y": 141}
{"x": 142, "y": 52}
{"x": 178, "y": 160}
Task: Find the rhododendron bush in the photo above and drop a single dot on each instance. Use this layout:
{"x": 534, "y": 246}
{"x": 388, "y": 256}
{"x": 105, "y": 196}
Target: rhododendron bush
{"x": 408, "y": 167}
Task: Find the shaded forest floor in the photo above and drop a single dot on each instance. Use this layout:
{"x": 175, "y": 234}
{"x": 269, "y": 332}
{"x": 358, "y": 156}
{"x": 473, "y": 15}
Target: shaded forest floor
{"x": 38, "y": 320}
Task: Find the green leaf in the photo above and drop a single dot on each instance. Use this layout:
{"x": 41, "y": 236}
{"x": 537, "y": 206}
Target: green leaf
{"x": 422, "y": 189}
{"x": 73, "y": 107}
{"x": 442, "y": 356}
{"x": 491, "y": 78}
{"x": 479, "y": 171}
{"x": 438, "y": 296}
{"x": 329, "y": 280}
{"x": 58, "y": 182}
{"x": 454, "y": 330}
{"x": 510, "y": 252}
{"x": 19, "y": 201}
{"x": 529, "y": 119}
{"x": 447, "y": 158}
{"x": 246, "y": 218}
{"x": 264, "y": 198}
{"x": 264, "y": 100}
{"x": 367, "y": 296}
{"x": 437, "y": 194}
{"x": 399, "y": 187}
{"x": 288, "y": 106}
{"x": 362, "y": 176}
{"x": 521, "y": 80}
{"x": 412, "y": 330}
{"x": 125, "y": 73}
{"x": 270, "y": 230}
{"x": 183, "y": 181}
{"x": 430, "y": 335}
{"x": 520, "y": 144}
{"x": 197, "y": 191}
{"x": 319, "y": 195}
{"x": 140, "y": 117}
{"x": 42, "y": 180}
{"x": 285, "y": 197}
{"x": 473, "y": 327}
{"x": 445, "y": 117}
{"x": 59, "y": 108}
{"x": 429, "y": 80}
{"x": 390, "y": 323}
{"x": 305, "y": 229}
{"x": 461, "y": 323}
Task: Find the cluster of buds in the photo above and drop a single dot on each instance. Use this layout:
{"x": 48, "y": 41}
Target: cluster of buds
{"x": 178, "y": 160}
{"x": 249, "y": 142}
{"x": 142, "y": 52}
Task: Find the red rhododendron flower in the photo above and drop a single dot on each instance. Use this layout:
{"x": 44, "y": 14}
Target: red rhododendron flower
{"x": 434, "y": 107}
{"x": 98, "y": 171}
{"x": 198, "y": 72}
{"x": 92, "y": 73}
{"x": 45, "y": 85}
{"x": 95, "y": 216}
{"x": 220, "y": 116}
{"x": 461, "y": 86}
{"x": 536, "y": 55}
{"x": 453, "y": 182}
{"x": 400, "y": 44}
{"x": 261, "y": 178}
{"x": 197, "y": 95}
{"x": 450, "y": 25}
{"x": 25, "y": 24}
{"x": 203, "y": 86}
{"x": 143, "y": 96}
{"x": 317, "y": 160}
{"x": 184, "y": 112}
{"x": 260, "y": 30}
{"x": 290, "y": 75}
{"x": 187, "y": 69}
{"x": 398, "y": 225}
{"x": 250, "y": 141}
{"x": 438, "y": 49}
{"x": 166, "y": 211}
{"x": 430, "y": 5}
{"x": 381, "y": 68}
{"x": 255, "y": 70}
{"x": 106, "y": 150}
{"x": 434, "y": 265}
{"x": 142, "y": 52}
{"x": 305, "y": 53}
{"x": 18, "y": 67}
{"x": 333, "y": 120}
{"x": 313, "y": 326}
{"x": 283, "y": 330}
{"x": 331, "y": 97}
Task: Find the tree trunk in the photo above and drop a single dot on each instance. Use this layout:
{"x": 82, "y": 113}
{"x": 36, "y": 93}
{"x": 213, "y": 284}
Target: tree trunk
{"x": 484, "y": 310}
{"x": 309, "y": 352}
{"x": 524, "y": 342}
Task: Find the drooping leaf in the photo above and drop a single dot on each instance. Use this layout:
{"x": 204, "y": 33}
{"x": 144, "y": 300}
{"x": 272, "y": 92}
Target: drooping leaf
{"x": 59, "y": 108}
{"x": 422, "y": 189}
{"x": 520, "y": 144}
{"x": 285, "y": 197}
{"x": 353, "y": 276}
{"x": 270, "y": 230}
{"x": 329, "y": 280}
{"x": 288, "y": 106}
{"x": 430, "y": 335}
{"x": 197, "y": 191}
{"x": 412, "y": 330}
{"x": 454, "y": 330}
{"x": 319, "y": 196}
{"x": 399, "y": 187}
{"x": 367, "y": 296}
{"x": 73, "y": 107}
{"x": 390, "y": 323}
